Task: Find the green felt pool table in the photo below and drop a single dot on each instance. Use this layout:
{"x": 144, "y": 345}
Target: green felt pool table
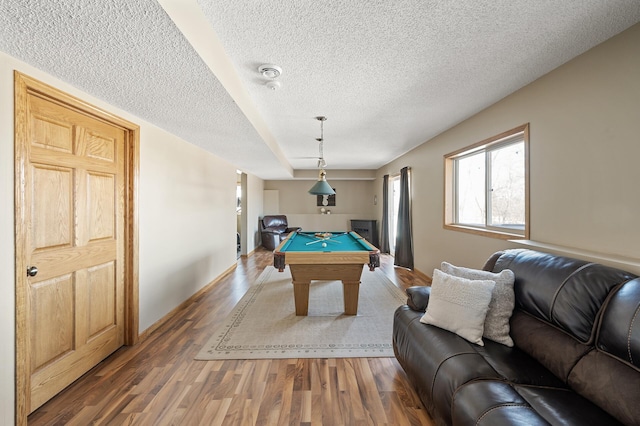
{"x": 326, "y": 256}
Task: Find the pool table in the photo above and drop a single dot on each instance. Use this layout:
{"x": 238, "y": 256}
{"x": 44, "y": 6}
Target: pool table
{"x": 326, "y": 256}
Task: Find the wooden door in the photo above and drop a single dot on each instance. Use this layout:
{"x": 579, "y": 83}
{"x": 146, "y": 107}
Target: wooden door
{"x": 73, "y": 195}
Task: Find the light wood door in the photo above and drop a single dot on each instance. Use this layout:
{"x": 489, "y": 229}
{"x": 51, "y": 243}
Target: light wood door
{"x": 74, "y": 207}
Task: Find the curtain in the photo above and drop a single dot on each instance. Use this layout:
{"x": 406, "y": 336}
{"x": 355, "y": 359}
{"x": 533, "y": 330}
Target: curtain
{"x": 384, "y": 238}
{"x": 404, "y": 240}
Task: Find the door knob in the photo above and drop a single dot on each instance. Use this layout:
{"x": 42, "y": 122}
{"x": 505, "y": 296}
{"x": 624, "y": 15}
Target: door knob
{"x": 32, "y": 271}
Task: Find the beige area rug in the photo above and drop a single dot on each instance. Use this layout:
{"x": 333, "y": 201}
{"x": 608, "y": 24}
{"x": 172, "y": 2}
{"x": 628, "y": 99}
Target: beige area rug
{"x": 263, "y": 325}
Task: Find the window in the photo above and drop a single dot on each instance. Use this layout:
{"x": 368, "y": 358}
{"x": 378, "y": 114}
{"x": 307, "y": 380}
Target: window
{"x": 394, "y": 186}
{"x": 486, "y": 186}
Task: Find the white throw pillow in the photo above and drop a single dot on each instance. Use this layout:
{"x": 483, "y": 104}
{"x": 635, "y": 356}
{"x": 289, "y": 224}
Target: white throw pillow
{"x": 459, "y": 305}
{"x": 496, "y": 325}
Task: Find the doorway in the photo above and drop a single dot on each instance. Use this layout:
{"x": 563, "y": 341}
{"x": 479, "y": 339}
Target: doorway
{"x": 238, "y": 214}
{"x": 76, "y": 239}
{"x": 242, "y": 213}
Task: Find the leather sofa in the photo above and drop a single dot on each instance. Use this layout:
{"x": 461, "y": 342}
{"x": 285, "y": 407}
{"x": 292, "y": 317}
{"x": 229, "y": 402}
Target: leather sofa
{"x": 575, "y": 359}
{"x": 274, "y": 229}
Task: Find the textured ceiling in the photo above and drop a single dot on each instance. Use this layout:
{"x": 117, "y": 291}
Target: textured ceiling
{"x": 389, "y": 75}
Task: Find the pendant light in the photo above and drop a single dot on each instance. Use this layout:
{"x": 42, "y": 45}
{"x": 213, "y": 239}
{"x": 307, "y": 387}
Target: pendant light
{"x": 321, "y": 187}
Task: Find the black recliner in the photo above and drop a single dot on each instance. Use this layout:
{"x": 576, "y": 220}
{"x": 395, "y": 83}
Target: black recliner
{"x": 274, "y": 229}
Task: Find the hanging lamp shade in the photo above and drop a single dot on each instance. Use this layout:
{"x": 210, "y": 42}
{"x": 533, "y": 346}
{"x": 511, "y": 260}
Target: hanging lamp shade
{"x": 322, "y": 187}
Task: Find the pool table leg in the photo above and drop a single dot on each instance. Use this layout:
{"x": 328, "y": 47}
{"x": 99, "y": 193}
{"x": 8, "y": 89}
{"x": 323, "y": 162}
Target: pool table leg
{"x": 301, "y": 297}
{"x": 350, "y": 290}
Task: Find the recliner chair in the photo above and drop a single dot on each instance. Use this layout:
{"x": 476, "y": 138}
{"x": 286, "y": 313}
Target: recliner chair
{"x": 274, "y": 229}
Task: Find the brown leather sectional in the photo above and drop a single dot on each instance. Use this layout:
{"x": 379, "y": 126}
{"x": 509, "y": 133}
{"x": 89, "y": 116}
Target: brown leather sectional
{"x": 576, "y": 359}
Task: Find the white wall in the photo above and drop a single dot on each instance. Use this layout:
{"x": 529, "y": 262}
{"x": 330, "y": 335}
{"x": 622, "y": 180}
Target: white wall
{"x": 584, "y": 151}
{"x": 187, "y": 220}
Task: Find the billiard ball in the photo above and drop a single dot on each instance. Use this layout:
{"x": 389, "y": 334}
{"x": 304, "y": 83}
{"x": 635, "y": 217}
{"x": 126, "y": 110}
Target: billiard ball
{"x": 324, "y": 244}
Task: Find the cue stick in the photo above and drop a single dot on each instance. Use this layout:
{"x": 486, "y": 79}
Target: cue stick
{"x": 323, "y": 240}
{"x": 319, "y": 239}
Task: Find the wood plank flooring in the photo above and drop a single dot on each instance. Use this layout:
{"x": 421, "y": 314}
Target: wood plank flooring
{"x": 157, "y": 382}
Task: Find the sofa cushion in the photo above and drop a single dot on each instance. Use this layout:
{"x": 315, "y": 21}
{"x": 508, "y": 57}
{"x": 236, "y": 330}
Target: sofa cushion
{"x": 459, "y": 305}
{"x": 610, "y": 375}
{"x": 619, "y": 332}
{"x": 538, "y": 278}
{"x": 496, "y": 324}
{"x": 494, "y": 403}
{"x": 489, "y": 402}
{"x": 552, "y": 347}
{"x": 516, "y": 366}
{"x": 609, "y": 383}
{"x": 565, "y": 292}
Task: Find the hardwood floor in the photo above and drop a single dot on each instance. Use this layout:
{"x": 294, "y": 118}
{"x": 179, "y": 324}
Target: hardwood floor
{"x": 157, "y": 382}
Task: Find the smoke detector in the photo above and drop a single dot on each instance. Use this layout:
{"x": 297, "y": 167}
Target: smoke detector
{"x": 270, "y": 70}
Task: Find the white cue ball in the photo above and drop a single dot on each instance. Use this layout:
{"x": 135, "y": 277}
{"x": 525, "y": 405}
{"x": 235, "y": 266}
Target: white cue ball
{"x": 324, "y": 244}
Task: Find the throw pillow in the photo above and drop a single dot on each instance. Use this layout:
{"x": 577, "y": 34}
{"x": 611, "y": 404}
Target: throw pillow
{"x": 496, "y": 325}
{"x": 459, "y": 305}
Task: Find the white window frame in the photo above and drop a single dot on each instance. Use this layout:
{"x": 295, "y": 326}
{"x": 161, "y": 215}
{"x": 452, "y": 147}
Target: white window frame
{"x": 394, "y": 198}
{"x": 520, "y": 133}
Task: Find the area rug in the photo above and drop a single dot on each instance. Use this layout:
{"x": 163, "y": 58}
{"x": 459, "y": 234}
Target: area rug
{"x": 263, "y": 324}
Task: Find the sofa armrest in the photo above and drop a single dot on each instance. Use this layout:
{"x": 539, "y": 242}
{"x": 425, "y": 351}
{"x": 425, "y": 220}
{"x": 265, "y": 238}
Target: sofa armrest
{"x": 418, "y": 297}
{"x": 270, "y": 240}
{"x": 491, "y": 262}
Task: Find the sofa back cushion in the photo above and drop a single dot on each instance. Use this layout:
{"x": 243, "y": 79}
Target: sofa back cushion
{"x": 609, "y": 375}
{"x": 567, "y": 293}
{"x": 619, "y": 332}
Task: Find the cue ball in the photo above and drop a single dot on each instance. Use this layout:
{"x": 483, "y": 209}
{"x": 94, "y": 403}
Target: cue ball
{"x": 324, "y": 244}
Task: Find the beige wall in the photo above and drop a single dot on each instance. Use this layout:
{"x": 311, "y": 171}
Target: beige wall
{"x": 584, "y": 150}
{"x": 7, "y": 248}
{"x": 187, "y": 235}
{"x": 352, "y": 196}
{"x": 354, "y": 200}
{"x": 255, "y": 187}
{"x": 187, "y": 220}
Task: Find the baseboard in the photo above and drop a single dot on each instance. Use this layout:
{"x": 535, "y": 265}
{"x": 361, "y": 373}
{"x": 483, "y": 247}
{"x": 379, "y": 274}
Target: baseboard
{"x": 251, "y": 253}
{"x": 156, "y": 325}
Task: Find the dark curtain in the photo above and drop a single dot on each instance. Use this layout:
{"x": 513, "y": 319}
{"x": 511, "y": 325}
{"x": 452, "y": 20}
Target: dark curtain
{"x": 404, "y": 240}
{"x": 384, "y": 238}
